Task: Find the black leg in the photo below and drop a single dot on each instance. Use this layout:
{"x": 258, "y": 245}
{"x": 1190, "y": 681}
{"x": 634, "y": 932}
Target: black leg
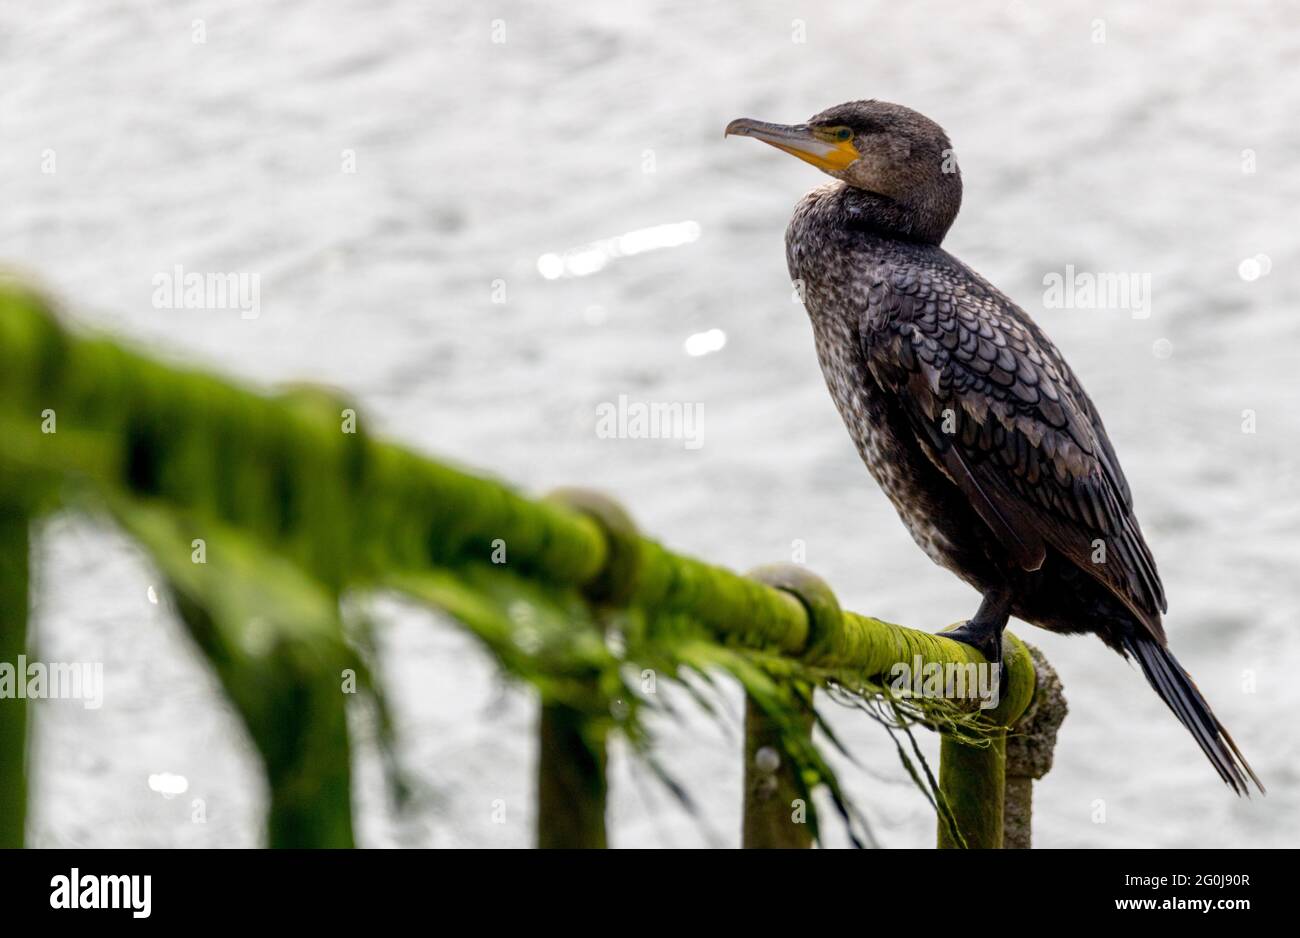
{"x": 984, "y": 631}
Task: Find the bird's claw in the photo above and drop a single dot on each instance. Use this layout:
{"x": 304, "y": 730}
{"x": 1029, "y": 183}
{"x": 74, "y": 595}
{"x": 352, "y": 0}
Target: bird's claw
{"x": 988, "y": 642}
{"x": 984, "y": 639}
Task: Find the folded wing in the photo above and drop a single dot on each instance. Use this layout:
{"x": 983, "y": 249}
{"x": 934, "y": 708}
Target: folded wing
{"x": 995, "y": 407}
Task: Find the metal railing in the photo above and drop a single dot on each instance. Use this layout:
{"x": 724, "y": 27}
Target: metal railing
{"x": 263, "y": 512}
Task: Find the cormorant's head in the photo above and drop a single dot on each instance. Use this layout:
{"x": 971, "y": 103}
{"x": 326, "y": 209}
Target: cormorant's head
{"x": 882, "y": 148}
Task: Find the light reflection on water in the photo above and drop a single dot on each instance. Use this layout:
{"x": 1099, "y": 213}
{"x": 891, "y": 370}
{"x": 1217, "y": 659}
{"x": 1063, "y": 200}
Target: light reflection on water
{"x": 591, "y": 258}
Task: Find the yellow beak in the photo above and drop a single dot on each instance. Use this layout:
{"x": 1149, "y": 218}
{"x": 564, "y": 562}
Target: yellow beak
{"x": 798, "y": 140}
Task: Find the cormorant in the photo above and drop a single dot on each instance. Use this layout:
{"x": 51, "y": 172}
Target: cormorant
{"x": 962, "y": 408}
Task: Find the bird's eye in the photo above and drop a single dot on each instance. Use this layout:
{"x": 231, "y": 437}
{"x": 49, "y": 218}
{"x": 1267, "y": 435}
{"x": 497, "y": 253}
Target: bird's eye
{"x": 843, "y": 133}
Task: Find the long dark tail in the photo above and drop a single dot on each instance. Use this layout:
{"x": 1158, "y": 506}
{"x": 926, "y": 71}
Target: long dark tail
{"x": 1177, "y": 689}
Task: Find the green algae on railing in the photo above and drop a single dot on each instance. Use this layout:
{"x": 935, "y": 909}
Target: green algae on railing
{"x": 262, "y": 512}
{"x": 14, "y": 552}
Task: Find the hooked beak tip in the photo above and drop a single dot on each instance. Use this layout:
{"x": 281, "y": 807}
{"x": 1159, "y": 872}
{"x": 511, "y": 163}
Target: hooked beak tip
{"x": 739, "y": 127}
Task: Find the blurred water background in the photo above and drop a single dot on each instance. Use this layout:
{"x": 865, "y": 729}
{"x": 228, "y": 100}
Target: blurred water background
{"x": 1112, "y": 137}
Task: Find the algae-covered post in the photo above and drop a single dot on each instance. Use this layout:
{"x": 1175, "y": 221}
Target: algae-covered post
{"x": 973, "y": 777}
{"x": 774, "y": 814}
{"x": 571, "y": 759}
{"x": 571, "y": 785}
{"x": 14, "y": 525}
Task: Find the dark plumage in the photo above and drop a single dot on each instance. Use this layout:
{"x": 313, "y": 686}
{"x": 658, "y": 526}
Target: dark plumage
{"x": 964, "y": 411}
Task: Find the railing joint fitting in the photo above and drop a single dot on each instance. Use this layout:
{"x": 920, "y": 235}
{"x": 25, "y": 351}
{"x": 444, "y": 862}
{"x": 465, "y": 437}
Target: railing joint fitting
{"x": 616, "y": 582}
{"x": 821, "y": 607}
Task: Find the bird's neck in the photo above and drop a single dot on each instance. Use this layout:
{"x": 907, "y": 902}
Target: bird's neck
{"x": 924, "y": 217}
